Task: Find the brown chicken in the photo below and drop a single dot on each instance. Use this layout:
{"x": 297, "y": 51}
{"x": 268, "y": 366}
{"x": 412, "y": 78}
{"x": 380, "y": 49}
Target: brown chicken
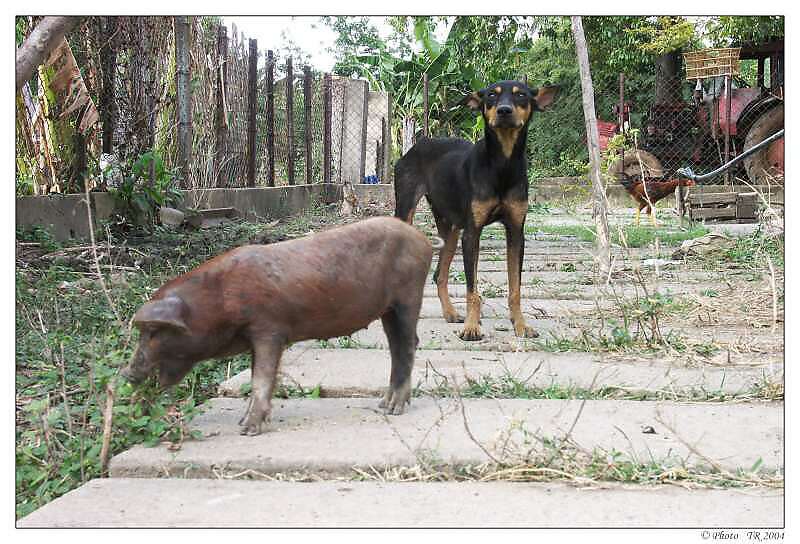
{"x": 648, "y": 193}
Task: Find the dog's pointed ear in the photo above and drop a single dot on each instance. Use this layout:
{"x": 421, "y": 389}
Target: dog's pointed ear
{"x": 544, "y": 96}
{"x": 473, "y": 101}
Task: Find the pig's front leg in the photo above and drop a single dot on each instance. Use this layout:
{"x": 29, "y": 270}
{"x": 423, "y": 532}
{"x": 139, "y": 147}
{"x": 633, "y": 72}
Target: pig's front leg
{"x": 266, "y": 357}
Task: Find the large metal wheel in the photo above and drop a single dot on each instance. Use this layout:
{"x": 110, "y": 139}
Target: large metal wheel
{"x": 766, "y": 165}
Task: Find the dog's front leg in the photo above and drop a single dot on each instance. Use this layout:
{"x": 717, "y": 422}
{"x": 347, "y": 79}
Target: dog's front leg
{"x": 515, "y": 252}
{"x": 470, "y": 241}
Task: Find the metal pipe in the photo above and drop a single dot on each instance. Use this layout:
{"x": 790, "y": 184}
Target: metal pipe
{"x": 728, "y": 93}
{"x": 688, "y": 173}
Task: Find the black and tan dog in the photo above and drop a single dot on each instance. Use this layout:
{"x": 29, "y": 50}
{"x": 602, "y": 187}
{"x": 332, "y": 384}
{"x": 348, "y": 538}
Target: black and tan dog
{"x": 470, "y": 186}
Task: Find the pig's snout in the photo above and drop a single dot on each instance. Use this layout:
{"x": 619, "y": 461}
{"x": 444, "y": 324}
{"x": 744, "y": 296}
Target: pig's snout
{"x": 132, "y": 375}
{"x": 137, "y": 370}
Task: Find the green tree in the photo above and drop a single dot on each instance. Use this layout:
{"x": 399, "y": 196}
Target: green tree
{"x": 736, "y": 30}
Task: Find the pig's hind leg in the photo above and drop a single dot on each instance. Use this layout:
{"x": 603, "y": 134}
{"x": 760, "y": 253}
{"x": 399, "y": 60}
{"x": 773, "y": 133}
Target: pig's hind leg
{"x": 266, "y": 357}
{"x": 400, "y": 326}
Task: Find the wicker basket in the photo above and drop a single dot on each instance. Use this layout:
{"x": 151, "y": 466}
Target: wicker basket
{"x": 712, "y": 63}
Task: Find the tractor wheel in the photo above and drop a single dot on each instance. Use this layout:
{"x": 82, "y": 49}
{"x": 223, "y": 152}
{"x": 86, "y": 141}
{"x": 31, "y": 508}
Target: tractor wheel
{"x": 766, "y": 165}
{"x": 634, "y": 163}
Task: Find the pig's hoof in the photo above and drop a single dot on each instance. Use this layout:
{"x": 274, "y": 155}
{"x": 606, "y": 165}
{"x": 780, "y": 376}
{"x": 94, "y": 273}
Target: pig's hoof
{"x": 251, "y": 430}
{"x": 471, "y": 334}
{"x": 253, "y": 424}
{"x": 393, "y": 408}
{"x": 525, "y": 331}
{"x": 394, "y": 401}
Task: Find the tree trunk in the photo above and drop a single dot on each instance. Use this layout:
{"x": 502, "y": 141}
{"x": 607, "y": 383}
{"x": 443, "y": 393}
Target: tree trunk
{"x": 668, "y": 81}
{"x": 600, "y": 201}
{"x": 409, "y": 128}
{"x": 38, "y": 45}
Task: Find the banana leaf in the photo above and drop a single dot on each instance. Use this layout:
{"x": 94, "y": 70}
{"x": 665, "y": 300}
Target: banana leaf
{"x": 69, "y": 88}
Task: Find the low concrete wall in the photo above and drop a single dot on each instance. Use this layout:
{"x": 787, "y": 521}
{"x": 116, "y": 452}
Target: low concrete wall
{"x": 263, "y": 202}
{"x": 65, "y": 217}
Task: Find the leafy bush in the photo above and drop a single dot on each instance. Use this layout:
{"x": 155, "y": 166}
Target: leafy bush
{"x": 149, "y": 186}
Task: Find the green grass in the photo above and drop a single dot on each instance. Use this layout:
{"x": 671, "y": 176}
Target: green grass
{"x": 640, "y": 236}
{"x": 508, "y": 386}
{"x": 752, "y": 251}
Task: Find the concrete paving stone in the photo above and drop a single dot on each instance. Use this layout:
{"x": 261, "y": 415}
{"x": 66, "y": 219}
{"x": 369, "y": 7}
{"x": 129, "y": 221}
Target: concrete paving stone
{"x": 534, "y": 248}
{"x": 500, "y": 277}
{"x": 438, "y": 334}
{"x": 734, "y": 230}
{"x": 567, "y": 291}
{"x": 141, "y": 502}
{"x": 360, "y": 372}
{"x": 498, "y": 334}
{"x": 330, "y": 437}
{"x": 497, "y": 307}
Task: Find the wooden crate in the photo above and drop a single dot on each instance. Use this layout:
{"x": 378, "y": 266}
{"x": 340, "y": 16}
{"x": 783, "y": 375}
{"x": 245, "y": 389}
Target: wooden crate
{"x": 712, "y": 62}
{"x": 732, "y": 206}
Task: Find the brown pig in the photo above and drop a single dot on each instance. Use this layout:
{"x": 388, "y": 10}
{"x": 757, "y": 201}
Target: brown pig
{"x": 261, "y": 298}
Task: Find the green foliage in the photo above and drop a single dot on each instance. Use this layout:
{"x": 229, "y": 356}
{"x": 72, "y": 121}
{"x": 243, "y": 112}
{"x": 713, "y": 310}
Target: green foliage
{"x": 736, "y": 30}
{"x": 753, "y": 251}
{"x": 39, "y": 235}
{"x": 20, "y": 29}
{"x": 149, "y": 186}
{"x": 664, "y": 35}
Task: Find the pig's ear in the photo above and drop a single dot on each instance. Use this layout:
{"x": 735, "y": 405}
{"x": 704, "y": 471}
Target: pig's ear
{"x": 167, "y": 312}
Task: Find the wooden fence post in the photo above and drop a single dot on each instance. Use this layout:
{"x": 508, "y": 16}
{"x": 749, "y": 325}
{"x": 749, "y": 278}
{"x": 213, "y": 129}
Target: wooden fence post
{"x": 387, "y": 153}
{"x": 599, "y": 211}
{"x": 252, "y": 79}
{"x": 108, "y": 62}
{"x": 326, "y": 128}
{"x": 621, "y": 115}
{"x": 382, "y": 163}
{"x": 183, "y": 97}
{"x": 307, "y": 88}
{"x": 364, "y": 118}
{"x": 290, "y": 121}
{"x": 270, "y": 118}
{"x": 220, "y": 127}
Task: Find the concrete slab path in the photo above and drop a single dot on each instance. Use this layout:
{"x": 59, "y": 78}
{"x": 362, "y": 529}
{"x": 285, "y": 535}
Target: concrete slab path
{"x": 360, "y": 372}
{"x": 331, "y": 436}
{"x": 125, "y": 502}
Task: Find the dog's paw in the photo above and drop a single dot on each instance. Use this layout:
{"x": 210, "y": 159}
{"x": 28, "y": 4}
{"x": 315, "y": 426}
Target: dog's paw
{"x": 453, "y": 317}
{"x": 524, "y": 331}
{"x": 471, "y": 334}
